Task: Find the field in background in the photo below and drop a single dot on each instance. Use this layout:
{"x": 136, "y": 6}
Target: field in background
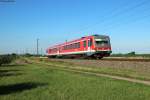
{"x": 32, "y": 81}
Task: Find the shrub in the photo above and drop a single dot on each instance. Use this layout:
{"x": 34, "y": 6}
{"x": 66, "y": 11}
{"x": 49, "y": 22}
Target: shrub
{"x": 28, "y": 55}
{"x": 0, "y": 60}
{"x": 131, "y": 53}
{"x": 7, "y": 59}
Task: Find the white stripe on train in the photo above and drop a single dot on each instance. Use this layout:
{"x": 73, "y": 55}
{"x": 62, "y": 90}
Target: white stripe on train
{"x": 79, "y": 52}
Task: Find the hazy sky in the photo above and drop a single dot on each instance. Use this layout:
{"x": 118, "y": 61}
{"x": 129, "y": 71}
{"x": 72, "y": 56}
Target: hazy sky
{"x": 127, "y": 22}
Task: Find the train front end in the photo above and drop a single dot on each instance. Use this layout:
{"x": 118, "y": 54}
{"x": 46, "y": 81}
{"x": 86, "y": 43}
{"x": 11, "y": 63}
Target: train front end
{"x": 102, "y": 46}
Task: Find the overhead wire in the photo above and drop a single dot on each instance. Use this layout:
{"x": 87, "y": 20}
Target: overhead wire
{"x": 133, "y": 17}
{"x": 120, "y": 13}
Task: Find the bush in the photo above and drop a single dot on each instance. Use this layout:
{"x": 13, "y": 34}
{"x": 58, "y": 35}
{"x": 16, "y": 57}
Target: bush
{"x": 7, "y": 59}
{"x": 131, "y": 53}
{"x": 28, "y": 55}
{"x": 0, "y": 60}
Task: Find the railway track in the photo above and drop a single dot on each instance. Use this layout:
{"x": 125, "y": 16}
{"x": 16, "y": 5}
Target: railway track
{"x": 127, "y": 59}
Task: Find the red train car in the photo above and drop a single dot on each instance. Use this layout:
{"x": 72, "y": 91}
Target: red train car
{"x": 96, "y": 46}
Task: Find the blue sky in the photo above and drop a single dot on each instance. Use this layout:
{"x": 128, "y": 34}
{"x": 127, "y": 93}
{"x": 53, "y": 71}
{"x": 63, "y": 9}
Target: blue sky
{"x": 127, "y": 22}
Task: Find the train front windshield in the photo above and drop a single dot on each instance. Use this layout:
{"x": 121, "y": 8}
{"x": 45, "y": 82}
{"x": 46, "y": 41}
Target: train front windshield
{"x": 100, "y": 42}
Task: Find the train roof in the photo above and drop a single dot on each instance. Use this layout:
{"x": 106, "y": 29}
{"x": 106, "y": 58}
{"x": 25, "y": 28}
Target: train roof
{"x": 95, "y": 35}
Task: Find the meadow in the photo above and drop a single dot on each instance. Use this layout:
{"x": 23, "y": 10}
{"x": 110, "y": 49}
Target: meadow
{"x": 41, "y": 82}
{"x": 130, "y": 69}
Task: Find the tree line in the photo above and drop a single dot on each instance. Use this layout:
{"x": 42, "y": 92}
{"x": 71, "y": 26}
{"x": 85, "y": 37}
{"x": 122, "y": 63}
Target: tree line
{"x": 130, "y": 54}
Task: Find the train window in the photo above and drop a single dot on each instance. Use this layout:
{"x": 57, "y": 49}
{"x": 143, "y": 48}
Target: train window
{"x": 53, "y": 50}
{"x": 90, "y": 42}
{"x": 67, "y": 46}
{"x": 74, "y": 45}
{"x": 71, "y": 46}
{"x": 101, "y": 42}
{"x": 84, "y": 43}
{"x": 49, "y": 50}
{"x": 78, "y": 44}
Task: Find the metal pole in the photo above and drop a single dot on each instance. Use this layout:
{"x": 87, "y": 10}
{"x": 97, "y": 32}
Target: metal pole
{"x": 41, "y": 52}
{"x": 37, "y": 47}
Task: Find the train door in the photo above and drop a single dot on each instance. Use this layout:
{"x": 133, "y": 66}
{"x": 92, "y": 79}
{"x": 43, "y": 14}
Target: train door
{"x": 89, "y": 48}
{"x": 84, "y": 45}
{"x": 89, "y": 44}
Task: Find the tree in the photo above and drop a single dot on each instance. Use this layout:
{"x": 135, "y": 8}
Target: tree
{"x": 6, "y": 59}
{"x": 131, "y": 53}
{"x": 0, "y": 60}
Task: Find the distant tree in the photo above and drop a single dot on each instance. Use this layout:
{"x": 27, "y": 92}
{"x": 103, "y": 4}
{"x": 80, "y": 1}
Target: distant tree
{"x": 0, "y": 60}
{"x": 28, "y": 55}
{"x": 131, "y": 53}
{"x": 7, "y": 59}
{"x": 117, "y": 55}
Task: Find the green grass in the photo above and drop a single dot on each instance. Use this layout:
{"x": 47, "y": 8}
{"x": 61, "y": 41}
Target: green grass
{"x": 41, "y": 82}
{"x": 135, "y": 73}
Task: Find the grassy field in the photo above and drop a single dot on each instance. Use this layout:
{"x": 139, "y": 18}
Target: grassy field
{"x": 141, "y": 72}
{"x": 41, "y": 82}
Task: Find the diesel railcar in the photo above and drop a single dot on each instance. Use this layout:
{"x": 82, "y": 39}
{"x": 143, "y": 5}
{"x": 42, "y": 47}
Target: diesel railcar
{"x": 95, "y": 46}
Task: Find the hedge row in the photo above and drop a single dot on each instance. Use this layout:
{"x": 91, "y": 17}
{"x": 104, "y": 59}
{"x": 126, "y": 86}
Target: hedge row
{"x": 7, "y": 59}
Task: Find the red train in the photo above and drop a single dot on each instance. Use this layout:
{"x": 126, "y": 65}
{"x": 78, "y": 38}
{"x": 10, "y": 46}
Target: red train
{"x": 96, "y": 46}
